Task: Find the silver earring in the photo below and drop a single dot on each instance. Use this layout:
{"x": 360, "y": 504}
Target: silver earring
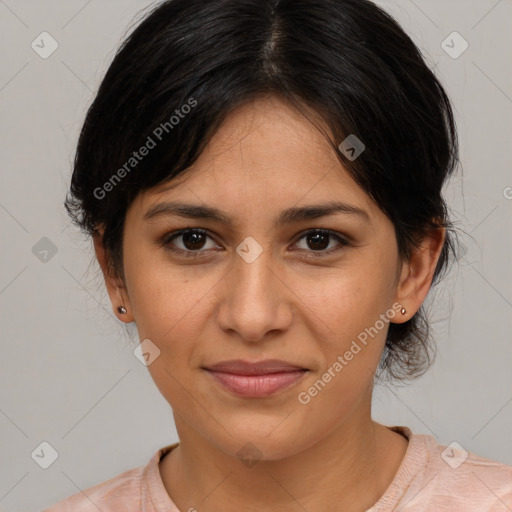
{"x": 403, "y": 311}
{"x": 122, "y": 310}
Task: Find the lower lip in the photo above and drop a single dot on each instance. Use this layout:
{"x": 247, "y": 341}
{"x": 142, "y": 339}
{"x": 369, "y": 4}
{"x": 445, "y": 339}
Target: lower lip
{"x": 256, "y": 386}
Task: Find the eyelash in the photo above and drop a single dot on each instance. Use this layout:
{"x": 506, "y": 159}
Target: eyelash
{"x": 169, "y": 237}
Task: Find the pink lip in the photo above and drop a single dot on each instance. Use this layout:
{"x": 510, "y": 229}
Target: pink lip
{"x": 258, "y": 379}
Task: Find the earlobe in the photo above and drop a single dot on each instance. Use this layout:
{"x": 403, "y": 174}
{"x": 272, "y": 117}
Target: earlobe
{"x": 115, "y": 288}
{"x": 417, "y": 274}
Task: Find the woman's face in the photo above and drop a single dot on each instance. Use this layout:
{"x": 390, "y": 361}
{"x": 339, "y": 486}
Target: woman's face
{"x": 261, "y": 284}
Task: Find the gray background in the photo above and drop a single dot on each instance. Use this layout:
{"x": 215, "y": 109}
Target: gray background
{"x": 68, "y": 374}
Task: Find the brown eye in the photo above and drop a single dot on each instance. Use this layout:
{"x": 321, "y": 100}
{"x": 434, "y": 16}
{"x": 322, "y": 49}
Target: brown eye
{"x": 321, "y": 241}
{"x": 317, "y": 241}
{"x": 193, "y": 240}
{"x": 189, "y": 241}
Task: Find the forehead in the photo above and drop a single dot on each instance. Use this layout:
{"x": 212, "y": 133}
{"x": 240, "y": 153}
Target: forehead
{"x": 266, "y": 154}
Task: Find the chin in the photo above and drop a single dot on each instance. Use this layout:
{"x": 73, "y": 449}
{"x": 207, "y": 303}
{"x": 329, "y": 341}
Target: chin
{"x": 263, "y": 440}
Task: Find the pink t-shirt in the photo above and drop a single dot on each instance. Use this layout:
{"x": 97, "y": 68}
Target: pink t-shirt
{"x": 431, "y": 478}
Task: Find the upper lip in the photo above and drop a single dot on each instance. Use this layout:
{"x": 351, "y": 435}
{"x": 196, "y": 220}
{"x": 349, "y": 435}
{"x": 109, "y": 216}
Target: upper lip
{"x": 240, "y": 367}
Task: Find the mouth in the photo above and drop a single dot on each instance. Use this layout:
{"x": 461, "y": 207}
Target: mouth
{"x": 258, "y": 379}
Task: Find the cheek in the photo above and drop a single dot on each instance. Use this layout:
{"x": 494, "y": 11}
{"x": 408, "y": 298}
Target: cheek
{"x": 347, "y": 300}
{"x": 348, "y": 306}
{"x": 350, "y": 352}
{"x": 171, "y": 307}
{"x": 165, "y": 299}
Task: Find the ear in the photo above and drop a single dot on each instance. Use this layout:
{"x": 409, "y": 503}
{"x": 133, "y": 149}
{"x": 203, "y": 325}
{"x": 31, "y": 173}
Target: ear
{"x": 416, "y": 274}
{"x": 115, "y": 285}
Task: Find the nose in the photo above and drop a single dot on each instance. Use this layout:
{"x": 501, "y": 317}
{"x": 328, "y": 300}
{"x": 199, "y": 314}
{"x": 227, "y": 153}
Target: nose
{"x": 255, "y": 301}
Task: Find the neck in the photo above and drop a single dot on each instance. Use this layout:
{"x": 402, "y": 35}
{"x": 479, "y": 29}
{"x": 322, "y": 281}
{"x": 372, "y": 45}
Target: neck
{"x": 349, "y": 469}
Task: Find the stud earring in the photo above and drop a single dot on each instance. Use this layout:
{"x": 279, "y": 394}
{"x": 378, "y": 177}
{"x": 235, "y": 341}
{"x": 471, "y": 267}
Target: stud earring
{"x": 121, "y": 310}
{"x": 403, "y": 311}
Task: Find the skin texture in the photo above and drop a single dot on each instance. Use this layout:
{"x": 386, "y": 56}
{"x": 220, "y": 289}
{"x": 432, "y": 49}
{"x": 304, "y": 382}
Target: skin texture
{"x": 288, "y": 304}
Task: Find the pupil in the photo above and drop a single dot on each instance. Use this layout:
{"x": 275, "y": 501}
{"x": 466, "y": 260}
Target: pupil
{"x": 193, "y": 240}
{"x": 316, "y": 240}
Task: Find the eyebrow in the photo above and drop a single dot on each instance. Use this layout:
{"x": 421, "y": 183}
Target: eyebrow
{"x": 288, "y": 216}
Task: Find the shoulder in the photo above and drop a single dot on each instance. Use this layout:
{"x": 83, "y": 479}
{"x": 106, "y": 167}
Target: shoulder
{"x": 456, "y": 479}
{"x": 131, "y": 491}
{"x": 119, "y": 493}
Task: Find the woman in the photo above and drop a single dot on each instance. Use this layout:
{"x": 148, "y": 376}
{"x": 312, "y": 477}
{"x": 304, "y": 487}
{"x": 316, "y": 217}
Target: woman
{"x": 262, "y": 181}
